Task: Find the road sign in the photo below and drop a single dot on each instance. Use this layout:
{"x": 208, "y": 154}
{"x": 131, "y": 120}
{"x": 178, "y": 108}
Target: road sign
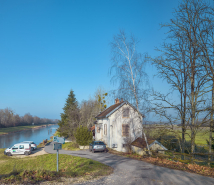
{"x": 57, "y": 146}
{"x": 59, "y": 139}
{"x": 55, "y": 139}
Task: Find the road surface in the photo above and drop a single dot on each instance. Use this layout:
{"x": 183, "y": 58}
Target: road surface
{"x": 133, "y": 172}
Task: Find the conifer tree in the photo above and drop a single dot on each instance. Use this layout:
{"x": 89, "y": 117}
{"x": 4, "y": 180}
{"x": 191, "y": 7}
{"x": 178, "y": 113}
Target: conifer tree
{"x": 65, "y": 124}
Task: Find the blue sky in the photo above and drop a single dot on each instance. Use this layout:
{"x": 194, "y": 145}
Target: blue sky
{"x": 48, "y": 47}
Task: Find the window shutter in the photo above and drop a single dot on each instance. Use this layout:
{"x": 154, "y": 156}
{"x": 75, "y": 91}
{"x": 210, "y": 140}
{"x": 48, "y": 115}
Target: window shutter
{"x": 125, "y": 130}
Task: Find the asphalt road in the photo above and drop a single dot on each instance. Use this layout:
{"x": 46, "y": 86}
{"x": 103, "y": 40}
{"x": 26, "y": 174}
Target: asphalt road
{"x": 133, "y": 172}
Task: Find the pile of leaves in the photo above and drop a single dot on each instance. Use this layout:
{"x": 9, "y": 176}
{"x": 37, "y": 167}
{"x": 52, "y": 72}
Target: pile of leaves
{"x": 193, "y": 168}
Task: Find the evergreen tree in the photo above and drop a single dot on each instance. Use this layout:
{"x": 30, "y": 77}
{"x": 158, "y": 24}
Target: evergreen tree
{"x": 65, "y": 124}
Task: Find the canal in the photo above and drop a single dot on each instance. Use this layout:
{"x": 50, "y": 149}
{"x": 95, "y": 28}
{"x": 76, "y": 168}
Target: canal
{"x": 36, "y": 135}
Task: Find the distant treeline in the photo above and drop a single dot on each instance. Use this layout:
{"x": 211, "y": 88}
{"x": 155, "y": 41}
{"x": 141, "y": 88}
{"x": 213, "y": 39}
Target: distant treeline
{"x": 8, "y": 118}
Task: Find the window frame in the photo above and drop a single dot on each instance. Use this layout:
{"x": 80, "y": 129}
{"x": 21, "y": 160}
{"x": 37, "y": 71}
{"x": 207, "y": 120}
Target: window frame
{"x": 126, "y": 112}
{"x": 125, "y": 130}
{"x": 105, "y": 129}
{"x": 98, "y": 129}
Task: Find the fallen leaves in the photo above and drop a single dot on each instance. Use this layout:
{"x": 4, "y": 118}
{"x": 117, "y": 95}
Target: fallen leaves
{"x": 193, "y": 168}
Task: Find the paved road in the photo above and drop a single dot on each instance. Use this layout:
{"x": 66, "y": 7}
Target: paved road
{"x": 134, "y": 172}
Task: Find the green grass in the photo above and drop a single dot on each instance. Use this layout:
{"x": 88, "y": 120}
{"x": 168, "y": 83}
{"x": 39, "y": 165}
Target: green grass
{"x": 70, "y": 146}
{"x": 201, "y": 136}
{"x": 16, "y": 129}
{"x": 69, "y": 166}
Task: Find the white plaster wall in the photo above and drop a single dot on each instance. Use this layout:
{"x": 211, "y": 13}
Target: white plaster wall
{"x": 114, "y": 128}
{"x": 116, "y": 121}
{"x": 98, "y": 135}
{"x": 105, "y": 137}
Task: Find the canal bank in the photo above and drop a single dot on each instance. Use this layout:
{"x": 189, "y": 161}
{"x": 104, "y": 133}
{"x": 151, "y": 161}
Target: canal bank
{"x": 32, "y": 134}
{"x": 8, "y": 130}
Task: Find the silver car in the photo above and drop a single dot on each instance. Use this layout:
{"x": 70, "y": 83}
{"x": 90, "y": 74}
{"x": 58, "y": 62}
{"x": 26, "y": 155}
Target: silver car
{"x": 97, "y": 146}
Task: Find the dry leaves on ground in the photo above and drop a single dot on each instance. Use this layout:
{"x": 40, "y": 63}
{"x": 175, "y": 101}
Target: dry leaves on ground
{"x": 193, "y": 168}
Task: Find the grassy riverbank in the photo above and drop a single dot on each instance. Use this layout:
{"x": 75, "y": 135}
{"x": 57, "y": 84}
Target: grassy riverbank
{"x": 35, "y": 169}
{"x": 8, "y": 130}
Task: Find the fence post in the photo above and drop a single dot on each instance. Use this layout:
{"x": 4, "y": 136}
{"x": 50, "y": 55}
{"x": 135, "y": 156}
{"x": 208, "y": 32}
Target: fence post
{"x": 173, "y": 155}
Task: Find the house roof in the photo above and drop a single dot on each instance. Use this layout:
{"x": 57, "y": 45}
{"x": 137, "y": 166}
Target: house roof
{"x": 113, "y": 108}
{"x": 108, "y": 110}
{"x": 141, "y": 143}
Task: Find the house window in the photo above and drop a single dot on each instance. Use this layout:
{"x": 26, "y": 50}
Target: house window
{"x": 125, "y": 130}
{"x": 105, "y": 129}
{"x": 124, "y": 145}
{"x": 98, "y": 129}
{"x": 126, "y": 112}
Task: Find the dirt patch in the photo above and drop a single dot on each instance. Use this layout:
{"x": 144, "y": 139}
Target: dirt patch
{"x": 38, "y": 151}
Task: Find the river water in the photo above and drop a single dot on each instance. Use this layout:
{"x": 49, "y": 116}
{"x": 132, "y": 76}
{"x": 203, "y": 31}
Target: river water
{"x": 36, "y": 135}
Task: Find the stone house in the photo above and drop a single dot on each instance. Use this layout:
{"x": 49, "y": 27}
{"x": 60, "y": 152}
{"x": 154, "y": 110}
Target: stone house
{"x": 118, "y": 125}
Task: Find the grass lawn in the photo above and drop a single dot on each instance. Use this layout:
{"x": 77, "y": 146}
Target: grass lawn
{"x": 201, "y": 136}
{"x": 16, "y": 129}
{"x": 43, "y": 167}
{"x": 70, "y": 146}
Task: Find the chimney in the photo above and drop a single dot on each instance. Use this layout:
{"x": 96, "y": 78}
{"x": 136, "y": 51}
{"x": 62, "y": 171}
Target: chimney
{"x": 117, "y": 101}
{"x": 121, "y": 100}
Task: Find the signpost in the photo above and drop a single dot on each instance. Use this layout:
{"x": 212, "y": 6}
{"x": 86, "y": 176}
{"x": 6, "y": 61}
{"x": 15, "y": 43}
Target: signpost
{"x": 58, "y": 146}
{"x": 59, "y": 139}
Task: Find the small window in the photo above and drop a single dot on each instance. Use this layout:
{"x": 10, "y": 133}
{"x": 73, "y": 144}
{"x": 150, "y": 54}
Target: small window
{"x": 98, "y": 129}
{"x": 124, "y": 145}
{"x": 125, "y": 130}
{"x": 21, "y": 147}
{"x": 105, "y": 129}
{"x": 126, "y": 112}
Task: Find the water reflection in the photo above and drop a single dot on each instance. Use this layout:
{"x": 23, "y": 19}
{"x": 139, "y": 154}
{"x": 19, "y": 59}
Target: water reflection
{"x": 36, "y": 135}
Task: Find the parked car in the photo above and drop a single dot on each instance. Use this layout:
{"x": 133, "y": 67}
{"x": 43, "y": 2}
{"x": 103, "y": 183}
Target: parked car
{"x": 97, "y": 146}
{"x": 20, "y": 148}
{"x": 32, "y": 144}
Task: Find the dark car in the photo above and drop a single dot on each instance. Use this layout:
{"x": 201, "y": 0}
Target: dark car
{"x": 97, "y": 146}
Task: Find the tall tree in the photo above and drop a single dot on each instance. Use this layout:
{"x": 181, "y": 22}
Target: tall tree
{"x": 188, "y": 26}
{"x": 206, "y": 43}
{"x": 172, "y": 67}
{"x": 128, "y": 69}
{"x": 70, "y": 116}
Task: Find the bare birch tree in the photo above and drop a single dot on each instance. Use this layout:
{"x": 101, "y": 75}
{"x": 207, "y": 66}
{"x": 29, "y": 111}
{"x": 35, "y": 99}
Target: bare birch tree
{"x": 128, "y": 69}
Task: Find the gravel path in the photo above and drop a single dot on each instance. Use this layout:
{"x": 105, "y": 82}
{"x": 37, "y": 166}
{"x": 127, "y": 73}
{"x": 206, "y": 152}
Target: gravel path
{"x": 134, "y": 172}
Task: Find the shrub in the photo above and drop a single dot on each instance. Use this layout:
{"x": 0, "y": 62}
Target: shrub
{"x": 83, "y": 136}
{"x": 169, "y": 141}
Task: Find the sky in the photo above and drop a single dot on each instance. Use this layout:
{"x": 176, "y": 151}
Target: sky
{"x": 48, "y": 47}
